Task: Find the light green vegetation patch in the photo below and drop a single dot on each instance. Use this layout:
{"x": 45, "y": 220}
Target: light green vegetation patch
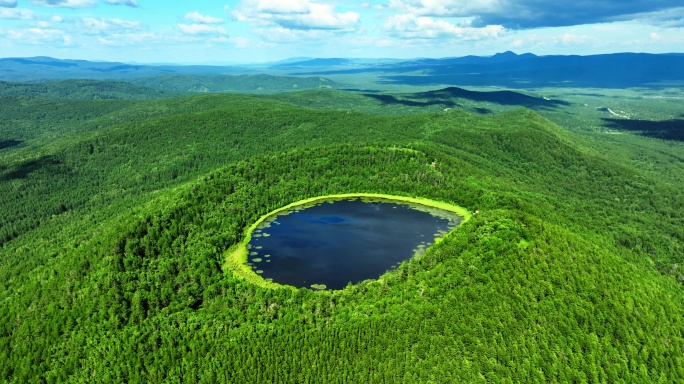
{"x": 236, "y": 256}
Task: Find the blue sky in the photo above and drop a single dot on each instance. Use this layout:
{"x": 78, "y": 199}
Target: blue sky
{"x": 214, "y": 31}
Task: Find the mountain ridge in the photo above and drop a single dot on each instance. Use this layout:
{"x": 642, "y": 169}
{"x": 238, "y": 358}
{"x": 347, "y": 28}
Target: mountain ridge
{"x": 616, "y": 70}
{"x": 116, "y": 216}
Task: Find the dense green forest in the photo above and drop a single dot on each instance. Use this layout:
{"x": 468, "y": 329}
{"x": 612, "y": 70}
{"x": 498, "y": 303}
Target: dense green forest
{"x": 162, "y": 86}
{"x": 83, "y": 89}
{"x": 116, "y": 217}
{"x": 260, "y": 83}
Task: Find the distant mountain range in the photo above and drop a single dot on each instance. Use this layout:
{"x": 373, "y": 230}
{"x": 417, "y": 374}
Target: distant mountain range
{"x": 47, "y": 68}
{"x": 507, "y": 69}
{"x": 389, "y": 64}
{"x": 332, "y": 63}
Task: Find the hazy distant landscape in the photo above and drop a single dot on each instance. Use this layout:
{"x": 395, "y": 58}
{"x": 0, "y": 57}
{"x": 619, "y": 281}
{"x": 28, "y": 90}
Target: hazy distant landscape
{"x": 625, "y": 70}
{"x": 508, "y": 217}
{"x": 132, "y": 191}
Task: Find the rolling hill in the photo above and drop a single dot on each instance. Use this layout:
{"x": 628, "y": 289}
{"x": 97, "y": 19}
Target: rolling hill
{"x": 620, "y": 70}
{"x": 507, "y": 69}
{"x": 117, "y": 216}
{"x": 83, "y": 89}
{"x": 241, "y": 83}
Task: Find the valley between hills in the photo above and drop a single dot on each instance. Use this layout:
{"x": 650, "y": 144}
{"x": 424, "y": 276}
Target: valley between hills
{"x": 120, "y": 201}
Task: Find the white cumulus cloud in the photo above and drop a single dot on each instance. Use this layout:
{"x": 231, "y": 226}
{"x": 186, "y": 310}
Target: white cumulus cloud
{"x": 131, "y": 39}
{"x": 66, "y": 3}
{"x": 197, "y": 17}
{"x": 39, "y": 36}
{"x": 97, "y": 25}
{"x": 17, "y": 14}
{"x": 297, "y": 14}
{"x": 422, "y": 27}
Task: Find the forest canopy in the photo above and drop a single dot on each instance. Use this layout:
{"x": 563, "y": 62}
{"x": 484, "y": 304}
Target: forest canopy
{"x": 116, "y": 217}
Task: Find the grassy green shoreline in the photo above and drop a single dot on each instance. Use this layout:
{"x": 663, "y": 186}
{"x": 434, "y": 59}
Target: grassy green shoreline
{"x": 236, "y": 256}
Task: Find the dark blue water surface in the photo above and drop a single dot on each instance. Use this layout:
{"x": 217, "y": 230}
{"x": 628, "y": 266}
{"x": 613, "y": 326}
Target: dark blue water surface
{"x": 337, "y": 242}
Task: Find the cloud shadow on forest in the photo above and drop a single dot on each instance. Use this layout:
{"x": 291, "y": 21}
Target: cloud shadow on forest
{"x": 389, "y": 99}
{"x": 484, "y": 111}
{"x": 664, "y": 129}
{"x": 509, "y": 98}
{"x": 9, "y": 143}
{"x": 22, "y": 170}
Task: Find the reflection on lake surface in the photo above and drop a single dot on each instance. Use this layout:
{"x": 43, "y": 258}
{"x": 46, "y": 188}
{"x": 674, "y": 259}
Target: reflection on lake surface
{"x": 336, "y": 242}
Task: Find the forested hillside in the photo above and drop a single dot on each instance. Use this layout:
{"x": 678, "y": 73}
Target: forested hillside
{"x": 83, "y": 89}
{"x": 242, "y": 83}
{"x": 117, "y": 216}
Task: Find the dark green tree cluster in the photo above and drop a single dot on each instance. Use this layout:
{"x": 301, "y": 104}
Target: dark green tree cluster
{"x": 112, "y": 264}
